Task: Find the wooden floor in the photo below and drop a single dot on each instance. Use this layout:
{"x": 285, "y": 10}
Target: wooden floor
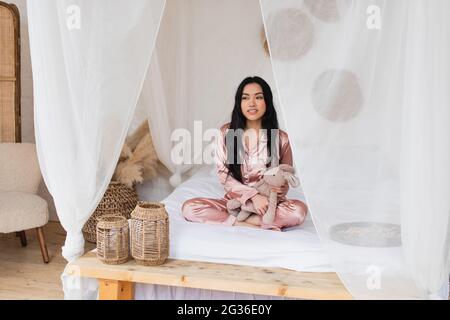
{"x": 23, "y": 274}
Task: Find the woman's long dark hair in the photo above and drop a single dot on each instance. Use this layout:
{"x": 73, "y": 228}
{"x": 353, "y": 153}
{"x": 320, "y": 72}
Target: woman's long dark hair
{"x": 238, "y": 124}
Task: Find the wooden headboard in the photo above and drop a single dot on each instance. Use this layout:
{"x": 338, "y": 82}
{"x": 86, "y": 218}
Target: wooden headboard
{"x": 10, "y": 124}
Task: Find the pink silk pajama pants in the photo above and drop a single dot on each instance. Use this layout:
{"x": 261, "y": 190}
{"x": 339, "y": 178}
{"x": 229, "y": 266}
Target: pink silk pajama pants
{"x": 289, "y": 213}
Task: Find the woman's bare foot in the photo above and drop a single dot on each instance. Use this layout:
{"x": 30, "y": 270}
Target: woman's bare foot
{"x": 245, "y": 224}
{"x": 254, "y": 220}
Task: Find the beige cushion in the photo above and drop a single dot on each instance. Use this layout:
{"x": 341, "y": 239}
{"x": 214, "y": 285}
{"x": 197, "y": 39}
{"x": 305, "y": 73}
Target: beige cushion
{"x": 19, "y": 167}
{"x": 21, "y": 211}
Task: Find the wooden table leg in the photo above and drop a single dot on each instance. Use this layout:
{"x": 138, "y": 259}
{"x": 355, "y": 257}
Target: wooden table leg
{"x": 115, "y": 290}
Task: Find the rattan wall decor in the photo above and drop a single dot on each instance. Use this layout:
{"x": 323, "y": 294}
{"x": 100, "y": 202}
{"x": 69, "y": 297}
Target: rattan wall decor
{"x": 10, "y": 123}
{"x": 149, "y": 233}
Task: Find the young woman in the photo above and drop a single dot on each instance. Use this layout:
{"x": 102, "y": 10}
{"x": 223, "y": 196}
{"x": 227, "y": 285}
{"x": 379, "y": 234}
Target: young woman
{"x": 248, "y": 146}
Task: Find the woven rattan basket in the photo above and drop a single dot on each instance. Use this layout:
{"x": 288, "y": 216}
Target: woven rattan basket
{"x": 149, "y": 233}
{"x": 119, "y": 200}
{"x": 113, "y": 240}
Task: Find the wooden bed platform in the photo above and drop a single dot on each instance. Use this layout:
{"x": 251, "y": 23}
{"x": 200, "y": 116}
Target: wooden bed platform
{"x": 116, "y": 282}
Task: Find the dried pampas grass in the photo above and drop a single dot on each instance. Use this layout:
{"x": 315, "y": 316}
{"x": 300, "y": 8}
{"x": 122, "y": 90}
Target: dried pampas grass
{"x": 125, "y": 153}
{"x": 138, "y": 161}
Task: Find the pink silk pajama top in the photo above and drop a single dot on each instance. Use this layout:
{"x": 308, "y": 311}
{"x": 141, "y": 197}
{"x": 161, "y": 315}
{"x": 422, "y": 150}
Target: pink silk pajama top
{"x": 290, "y": 212}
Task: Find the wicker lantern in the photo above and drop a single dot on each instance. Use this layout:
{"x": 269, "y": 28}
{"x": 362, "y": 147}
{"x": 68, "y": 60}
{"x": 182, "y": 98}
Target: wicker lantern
{"x": 149, "y": 233}
{"x": 113, "y": 240}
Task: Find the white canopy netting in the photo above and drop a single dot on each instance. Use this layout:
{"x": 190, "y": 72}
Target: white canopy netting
{"x": 362, "y": 89}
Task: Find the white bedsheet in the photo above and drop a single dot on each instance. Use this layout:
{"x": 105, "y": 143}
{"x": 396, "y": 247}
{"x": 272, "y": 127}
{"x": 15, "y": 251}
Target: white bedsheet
{"x": 296, "y": 248}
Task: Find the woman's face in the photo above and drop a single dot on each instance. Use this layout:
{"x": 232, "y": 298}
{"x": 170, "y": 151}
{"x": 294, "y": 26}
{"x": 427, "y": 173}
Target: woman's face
{"x": 253, "y": 105}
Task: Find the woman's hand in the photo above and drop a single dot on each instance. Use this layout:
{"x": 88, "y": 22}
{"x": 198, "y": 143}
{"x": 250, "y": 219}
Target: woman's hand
{"x": 283, "y": 190}
{"x": 261, "y": 203}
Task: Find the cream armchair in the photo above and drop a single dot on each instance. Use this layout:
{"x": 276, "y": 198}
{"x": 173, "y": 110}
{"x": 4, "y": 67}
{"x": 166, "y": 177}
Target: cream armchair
{"x": 20, "y": 208}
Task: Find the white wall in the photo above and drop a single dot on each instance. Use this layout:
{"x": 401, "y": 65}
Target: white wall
{"x": 227, "y": 48}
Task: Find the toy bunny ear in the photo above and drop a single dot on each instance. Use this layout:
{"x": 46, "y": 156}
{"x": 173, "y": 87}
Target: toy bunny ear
{"x": 287, "y": 168}
{"x": 291, "y": 179}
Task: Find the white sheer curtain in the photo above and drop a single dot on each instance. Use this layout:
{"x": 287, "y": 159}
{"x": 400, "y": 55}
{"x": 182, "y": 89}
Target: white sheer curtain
{"x": 365, "y": 85}
{"x": 165, "y": 92}
{"x": 89, "y": 62}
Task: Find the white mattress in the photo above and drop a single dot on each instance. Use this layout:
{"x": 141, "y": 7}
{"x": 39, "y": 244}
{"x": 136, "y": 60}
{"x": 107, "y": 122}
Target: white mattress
{"x": 296, "y": 248}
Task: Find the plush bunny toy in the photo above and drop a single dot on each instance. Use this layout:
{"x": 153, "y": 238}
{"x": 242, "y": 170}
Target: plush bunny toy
{"x": 272, "y": 178}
